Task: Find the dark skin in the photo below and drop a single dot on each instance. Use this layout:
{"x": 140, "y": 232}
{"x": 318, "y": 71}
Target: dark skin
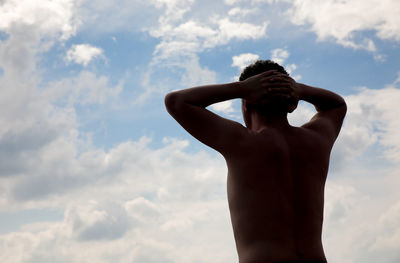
{"x": 276, "y": 172}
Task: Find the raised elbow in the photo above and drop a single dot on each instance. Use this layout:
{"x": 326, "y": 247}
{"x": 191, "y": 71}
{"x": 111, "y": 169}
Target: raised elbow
{"x": 344, "y": 108}
{"x": 338, "y": 104}
{"x": 342, "y": 105}
{"x": 172, "y": 101}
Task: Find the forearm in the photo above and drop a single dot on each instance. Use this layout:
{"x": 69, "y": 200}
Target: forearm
{"x": 206, "y": 95}
{"x": 322, "y": 99}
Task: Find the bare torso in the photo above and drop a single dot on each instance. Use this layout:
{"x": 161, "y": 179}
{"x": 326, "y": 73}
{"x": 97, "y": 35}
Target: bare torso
{"x": 276, "y": 182}
{"x": 277, "y": 172}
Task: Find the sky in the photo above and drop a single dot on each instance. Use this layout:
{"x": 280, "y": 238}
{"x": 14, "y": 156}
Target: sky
{"x": 93, "y": 169}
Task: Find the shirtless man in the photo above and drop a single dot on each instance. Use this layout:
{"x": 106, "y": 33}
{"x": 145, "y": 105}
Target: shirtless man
{"x": 276, "y": 172}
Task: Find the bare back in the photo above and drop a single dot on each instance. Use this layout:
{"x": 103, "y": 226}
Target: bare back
{"x": 276, "y": 193}
{"x": 276, "y": 172}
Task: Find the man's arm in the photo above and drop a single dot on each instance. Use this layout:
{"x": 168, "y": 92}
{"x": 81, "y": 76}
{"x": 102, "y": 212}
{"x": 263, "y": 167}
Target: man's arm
{"x": 331, "y": 109}
{"x": 188, "y": 107}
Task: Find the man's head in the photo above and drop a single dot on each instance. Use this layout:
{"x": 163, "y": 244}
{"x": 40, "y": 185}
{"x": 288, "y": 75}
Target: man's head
{"x": 259, "y": 67}
{"x": 279, "y": 106}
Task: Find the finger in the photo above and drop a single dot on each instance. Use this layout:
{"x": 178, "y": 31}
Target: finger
{"x": 279, "y": 96}
{"x": 277, "y": 78}
{"x": 281, "y": 77}
{"x": 270, "y": 73}
{"x": 279, "y": 92}
{"x": 275, "y": 92}
{"x": 282, "y": 89}
{"x": 273, "y": 81}
{"x": 278, "y": 85}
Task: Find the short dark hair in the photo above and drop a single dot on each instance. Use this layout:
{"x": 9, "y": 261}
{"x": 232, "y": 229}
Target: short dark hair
{"x": 259, "y": 67}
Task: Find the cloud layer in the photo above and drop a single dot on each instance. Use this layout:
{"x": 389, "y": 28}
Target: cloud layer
{"x": 135, "y": 202}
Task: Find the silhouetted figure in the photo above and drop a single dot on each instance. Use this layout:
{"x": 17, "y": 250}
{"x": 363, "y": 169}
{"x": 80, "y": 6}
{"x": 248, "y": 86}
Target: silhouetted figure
{"x": 276, "y": 172}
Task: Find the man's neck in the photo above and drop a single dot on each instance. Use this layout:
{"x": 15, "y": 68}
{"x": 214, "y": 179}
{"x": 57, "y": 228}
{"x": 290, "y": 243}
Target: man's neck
{"x": 277, "y": 121}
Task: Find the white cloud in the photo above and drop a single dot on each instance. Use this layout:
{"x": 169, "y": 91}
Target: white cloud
{"x": 143, "y": 209}
{"x": 196, "y": 75}
{"x": 192, "y": 37}
{"x": 240, "y": 30}
{"x": 181, "y": 38}
{"x": 340, "y": 201}
{"x": 35, "y": 124}
{"x": 189, "y": 206}
{"x": 102, "y": 16}
{"x": 174, "y": 9}
{"x": 38, "y": 124}
{"x": 373, "y": 117}
{"x": 365, "y": 210}
{"x": 58, "y": 16}
{"x": 193, "y": 204}
{"x": 361, "y": 200}
{"x": 223, "y": 107}
{"x": 279, "y": 55}
{"x": 128, "y": 164}
{"x": 182, "y": 198}
{"x": 85, "y": 88}
{"x": 290, "y": 68}
{"x": 243, "y": 60}
{"x": 164, "y": 192}
{"x": 29, "y": 34}
{"x": 380, "y": 58}
{"x": 371, "y": 120}
{"x": 183, "y": 34}
{"x": 29, "y": 121}
{"x": 342, "y": 20}
{"x": 94, "y": 221}
{"x": 83, "y": 54}
{"x": 237, "y": 11}
{"x": 266, "y": 1}
{"x": 181, "y": 42}
{"x": 191, "y": 74}
{"x": 390, "y": 235}
{"x": 232, "y": 2}
{"x": 302, "y": 114}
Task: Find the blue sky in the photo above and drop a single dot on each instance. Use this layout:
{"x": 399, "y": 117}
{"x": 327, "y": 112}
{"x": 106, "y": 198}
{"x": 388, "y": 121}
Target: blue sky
{"x": 93, "y": 169}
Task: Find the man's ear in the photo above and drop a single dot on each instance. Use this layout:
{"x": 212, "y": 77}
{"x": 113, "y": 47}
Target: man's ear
{"x": 246, "y": 113}
{"x": 292, "y": 107}
{"x": 244, "y": 106}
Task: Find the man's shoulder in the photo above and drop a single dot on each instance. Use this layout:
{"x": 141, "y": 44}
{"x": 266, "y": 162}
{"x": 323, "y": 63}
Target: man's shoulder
{"x": 299, "y": 134}
{"x": 277, "y": 140}
{"x": 308, "y": 138}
